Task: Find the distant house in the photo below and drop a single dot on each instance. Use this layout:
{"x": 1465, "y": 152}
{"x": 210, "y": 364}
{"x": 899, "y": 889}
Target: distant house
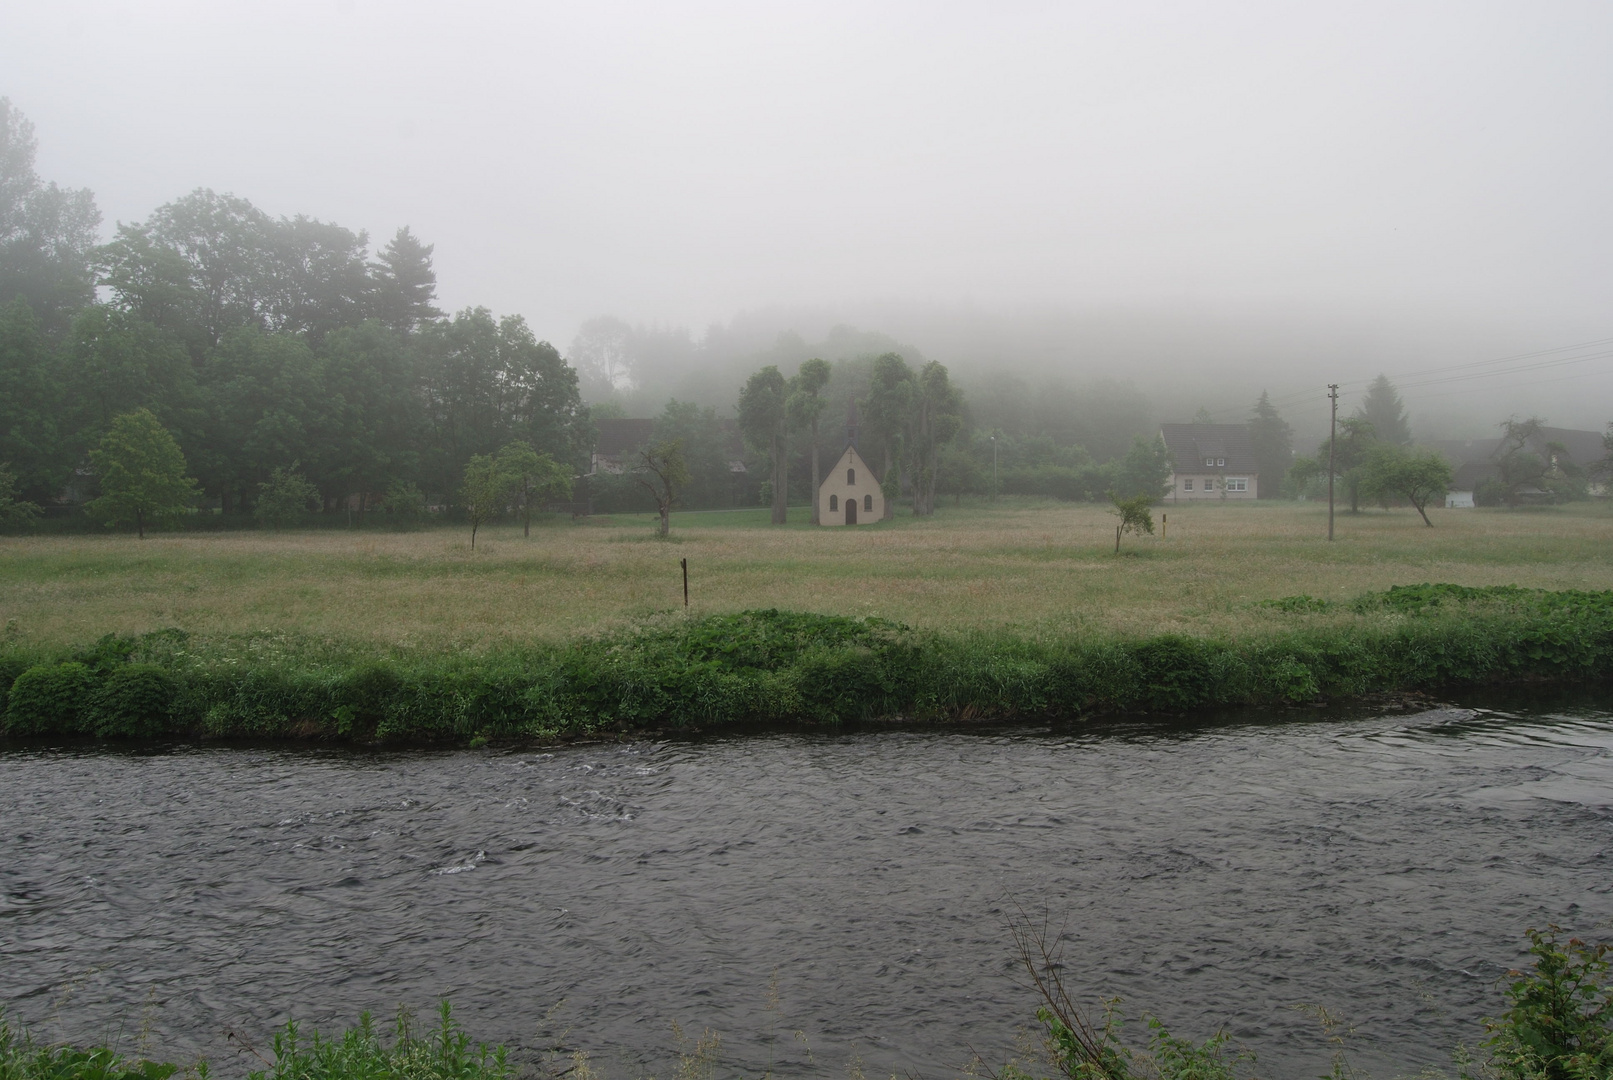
{"x": 618, "y": 441}
{"x": 1211, "y": 461}
{"x": 1474, "y": 461}
{"x": 850, "y": 494}
{"x": 733, "y": 446}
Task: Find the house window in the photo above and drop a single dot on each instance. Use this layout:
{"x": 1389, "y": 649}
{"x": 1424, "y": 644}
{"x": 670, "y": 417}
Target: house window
{"x": 834, "y": 502}
{"x": 1187, "y": 485}
{"x": 1220, "y": 461}
{"x": 1209, "y": 463}
{"x": 868, "y": 502}
{"x": 1237, "y": 483}
{"x": 851, "y": 477}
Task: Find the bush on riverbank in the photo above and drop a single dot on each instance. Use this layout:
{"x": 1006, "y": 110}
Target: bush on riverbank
{"x": 788, "y": 667}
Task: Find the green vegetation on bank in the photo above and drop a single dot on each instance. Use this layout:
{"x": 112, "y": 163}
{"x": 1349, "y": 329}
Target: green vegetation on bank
{"x": 680, "y": 672}
{"x": 1558, "y": 1025}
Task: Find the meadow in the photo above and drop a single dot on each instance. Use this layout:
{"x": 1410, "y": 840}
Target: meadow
{"x": 1026, "y": 567}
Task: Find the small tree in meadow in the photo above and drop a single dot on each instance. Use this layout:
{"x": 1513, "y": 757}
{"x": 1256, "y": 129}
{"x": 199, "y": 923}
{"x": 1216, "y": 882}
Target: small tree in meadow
{"x": 663, "y": 473}
{"x": 142, "y": 474}
{"x": 1418, "y": 476}
{"x": 534, "y": 479}
{"x": 284, "y": 498}
{"x": 485, "y": 491}
{"x": 1134, "y": 514}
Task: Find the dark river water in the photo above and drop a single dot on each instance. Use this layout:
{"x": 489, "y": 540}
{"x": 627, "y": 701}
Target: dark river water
{"x": 1217, "y": 875}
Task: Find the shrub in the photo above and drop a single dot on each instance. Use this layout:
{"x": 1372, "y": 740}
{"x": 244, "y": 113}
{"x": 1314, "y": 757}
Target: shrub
{"x": 49, "y": 699}
{"x": 134, "y": 701}
{"x": 1560, "y": 1025}
{"x": 285, "y": 498}
{"x": 405, "y": 503}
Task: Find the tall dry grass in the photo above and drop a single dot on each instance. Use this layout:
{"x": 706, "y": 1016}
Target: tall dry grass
{"x": 1020, "y": 565}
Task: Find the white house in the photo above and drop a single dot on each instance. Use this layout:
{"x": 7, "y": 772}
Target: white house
{"x": 1211, "y": 461}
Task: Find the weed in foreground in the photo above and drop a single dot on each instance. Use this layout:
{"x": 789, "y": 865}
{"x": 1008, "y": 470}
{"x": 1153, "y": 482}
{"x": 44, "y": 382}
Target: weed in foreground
{"x": 445, "y": 1052}
{"x": 1080, "y": 1048}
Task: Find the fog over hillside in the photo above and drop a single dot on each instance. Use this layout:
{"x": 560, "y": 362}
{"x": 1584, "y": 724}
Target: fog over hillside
{"x": 1200, "y": 201}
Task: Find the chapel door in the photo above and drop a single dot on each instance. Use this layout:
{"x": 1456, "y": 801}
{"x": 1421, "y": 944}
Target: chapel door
{"x": 851, "y": 511}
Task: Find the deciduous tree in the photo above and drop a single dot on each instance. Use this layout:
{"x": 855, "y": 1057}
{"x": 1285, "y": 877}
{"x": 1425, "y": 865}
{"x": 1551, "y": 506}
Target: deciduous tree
{"x": 885, "y": 417}
{"x": 15, "y": 511}
{"x": 806, "y": 407}
{"x": 484, "y": 490}
{"x": 937, "y": 418}
{"x": 1418, "y": 476}
{"x": 1134, "y": 514}
{"x": 534, "y": 479}
{"x": 47, "y": 233}
{"x": 142, "y": 474}
{"x": 764, "y": 419}
{"x": 285, "y": 497}
{"x": 662, "y": 472}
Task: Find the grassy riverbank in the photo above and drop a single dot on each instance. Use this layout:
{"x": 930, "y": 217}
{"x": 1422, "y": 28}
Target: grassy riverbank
{"x": 683, "y": 672}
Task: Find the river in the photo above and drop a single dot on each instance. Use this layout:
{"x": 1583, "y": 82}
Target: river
{"x": 852, "y": 887}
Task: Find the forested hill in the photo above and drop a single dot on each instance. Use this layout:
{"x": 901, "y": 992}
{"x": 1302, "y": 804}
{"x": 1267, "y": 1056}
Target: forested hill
{"x": 257, "y": 341}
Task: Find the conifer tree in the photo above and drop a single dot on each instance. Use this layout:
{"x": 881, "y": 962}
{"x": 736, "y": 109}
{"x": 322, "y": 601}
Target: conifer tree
{"x": 1273, "y": 443}
{"x": 1384, "y": 410}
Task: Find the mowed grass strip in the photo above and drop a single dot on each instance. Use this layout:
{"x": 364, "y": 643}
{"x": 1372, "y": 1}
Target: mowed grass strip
{"x": 1027, "y": 566}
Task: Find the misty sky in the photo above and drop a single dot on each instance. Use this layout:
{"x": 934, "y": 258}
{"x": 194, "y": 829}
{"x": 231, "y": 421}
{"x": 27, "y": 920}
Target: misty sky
{"x": 1395, "y": 186}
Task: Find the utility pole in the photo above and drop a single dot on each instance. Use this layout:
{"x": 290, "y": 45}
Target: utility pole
{"x": 1332, "y": 438}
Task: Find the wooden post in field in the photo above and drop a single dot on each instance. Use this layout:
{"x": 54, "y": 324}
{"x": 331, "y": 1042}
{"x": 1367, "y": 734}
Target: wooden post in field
{"x": 685, "y": 563}
{"x": 1164, "y": 522}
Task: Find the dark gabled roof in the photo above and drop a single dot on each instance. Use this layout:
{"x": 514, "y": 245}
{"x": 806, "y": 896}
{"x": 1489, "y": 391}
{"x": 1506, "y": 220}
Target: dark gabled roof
{"x": 1190, "y": 444}
{"x": 1461, "y": 452}
{"x": 1584, "y": 447}
{"x": 1468, "y": 474}
{"x": 618, "y": 437}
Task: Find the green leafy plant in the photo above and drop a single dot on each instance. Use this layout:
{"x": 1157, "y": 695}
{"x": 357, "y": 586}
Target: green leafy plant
{"x": 133, "y": 701}
{"x": 49, "y": 699}
{"x": 445, "y": 1052}
{"x": 23, "y": 1059}
{"x": 405, "y": 503}
{"x": 1560, "y": 1024}
{"x": 1134, "y": 515}
{"x": 284, "y": 498}
{"x": 15, "y": 512}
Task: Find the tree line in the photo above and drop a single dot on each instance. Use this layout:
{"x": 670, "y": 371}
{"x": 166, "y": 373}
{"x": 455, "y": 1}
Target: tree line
{"x": 260, "y": 344}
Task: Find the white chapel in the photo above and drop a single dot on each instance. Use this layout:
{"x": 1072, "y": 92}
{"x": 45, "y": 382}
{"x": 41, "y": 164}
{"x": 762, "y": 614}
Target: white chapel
{"x": 850, "y": 494}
